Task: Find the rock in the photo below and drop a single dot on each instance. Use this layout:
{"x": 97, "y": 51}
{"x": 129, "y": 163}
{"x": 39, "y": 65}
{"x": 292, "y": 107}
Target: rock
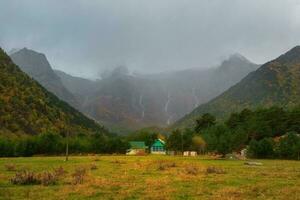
{"x": 253, "y": 163}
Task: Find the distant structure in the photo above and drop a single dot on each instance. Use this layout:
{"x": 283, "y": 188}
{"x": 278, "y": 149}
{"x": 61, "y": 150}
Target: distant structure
{"x": 158, "y": 147}
{"x": 137, "y": 148}
{"x": 190, "y": 153}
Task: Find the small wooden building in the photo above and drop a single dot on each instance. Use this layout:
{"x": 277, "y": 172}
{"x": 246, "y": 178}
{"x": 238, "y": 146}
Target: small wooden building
{"x": 137, "y": 148}
{"x": 158, "y": 147}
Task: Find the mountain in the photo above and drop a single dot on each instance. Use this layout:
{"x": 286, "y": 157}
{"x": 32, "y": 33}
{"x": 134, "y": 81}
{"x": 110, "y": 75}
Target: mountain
{"x": 124, "y": 102}
{"x": 127, "y": 102}
{"x": 37, "y": 66}
{"x": 275, "y": 83}
{"x": 187, "y": 89}
{"x": 27, "y": 108}
{"x": 81, "y": 88}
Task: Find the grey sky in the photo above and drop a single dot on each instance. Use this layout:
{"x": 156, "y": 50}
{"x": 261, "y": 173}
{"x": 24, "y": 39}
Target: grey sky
{"x": 84, "y": 36}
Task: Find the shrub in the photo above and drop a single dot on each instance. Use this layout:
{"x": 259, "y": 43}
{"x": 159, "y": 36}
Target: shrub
{"x": 78, "y": 175}
{"x": 214, "y": 170}
{"x": 31, "y": 178}
{"x": 164, "y": 165}
{"x": 60, "y": 171}
{"x": 48, "y": 178}
{"x": 192, "y": 170}
{"x": 118, "y": 162}
{"x": 96, "y": 159}
{"x": 25, "y": 178}
{"x": 10, "y": 167}
{"x": 93, "y": 167}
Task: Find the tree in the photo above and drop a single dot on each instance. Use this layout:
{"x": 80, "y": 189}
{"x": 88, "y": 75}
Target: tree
{"x": 261, "y": 149}
{"x": 205, "y": 121}
{"x": 239, "y": 138}
{"x": 218, "y": 138}
{"x": 50, "y": 143}
{"x": 198, "y": 144}
{"x": 175, "y": 141}
{"x": 289, "y": 146}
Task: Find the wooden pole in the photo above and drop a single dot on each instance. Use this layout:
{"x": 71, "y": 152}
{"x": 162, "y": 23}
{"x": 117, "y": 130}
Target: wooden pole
{"x": 182, "y": 143}
{"x": 67, "y": 146}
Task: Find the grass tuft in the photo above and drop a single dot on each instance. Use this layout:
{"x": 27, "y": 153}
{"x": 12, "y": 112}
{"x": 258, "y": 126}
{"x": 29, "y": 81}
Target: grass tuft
{"x": 192, "y": 170}
{"x": 214, "y": 170}
{"x": 10, "y": 167}
{"x": 79, "y": 175}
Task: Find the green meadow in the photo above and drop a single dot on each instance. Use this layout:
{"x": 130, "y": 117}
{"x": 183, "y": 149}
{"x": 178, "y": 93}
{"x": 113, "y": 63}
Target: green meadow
{"x": 153, "y": 177}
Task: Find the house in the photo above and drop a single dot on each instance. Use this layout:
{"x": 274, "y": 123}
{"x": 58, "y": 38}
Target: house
{"x": 137, "y": 148}
{"x": 158, "y": 147}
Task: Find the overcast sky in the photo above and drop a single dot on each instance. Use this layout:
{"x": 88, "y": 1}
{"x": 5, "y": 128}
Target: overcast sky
{"x": 83, "y": 37}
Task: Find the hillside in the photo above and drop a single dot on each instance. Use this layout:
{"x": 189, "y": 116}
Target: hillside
{"x": 124, "y": 102}
{"x": 187, "y": 89}
{"x": 275, "y": 83}
{"x": 37, "y": 66}
{"x": 27, "y": 108}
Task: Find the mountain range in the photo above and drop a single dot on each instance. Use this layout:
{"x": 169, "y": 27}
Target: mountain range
{"x": 124, "y": 102}
{"x": 275, "y": 83}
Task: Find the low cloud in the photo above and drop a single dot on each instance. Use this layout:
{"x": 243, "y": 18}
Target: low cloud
{"x": 84, "y": 37}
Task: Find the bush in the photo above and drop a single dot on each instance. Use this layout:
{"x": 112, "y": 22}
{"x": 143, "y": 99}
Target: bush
{"x": 48, "y": 178}
{"x": 25, "y": 178}
{"x": 214, "y": 170}
{"x": 10, "y": 167}
{"x": 78, "y": 175}
{"x": 60, "y": 171}
{"x": 163, "y": 165}
{"x": 192, "y": 170}
{"x": 93, "y": 167}
{"x": 31, "y": 178}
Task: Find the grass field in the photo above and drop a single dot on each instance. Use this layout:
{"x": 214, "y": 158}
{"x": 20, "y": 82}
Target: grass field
{"x": 155, "y": 177}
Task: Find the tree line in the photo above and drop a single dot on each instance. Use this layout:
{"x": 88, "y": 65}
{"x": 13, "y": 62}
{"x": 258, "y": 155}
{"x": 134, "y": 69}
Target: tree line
{"x": 51, "y": 143}
{"x": 266, "y": 133}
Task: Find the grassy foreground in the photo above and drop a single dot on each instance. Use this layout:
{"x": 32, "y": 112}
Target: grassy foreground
{"x": 156, "y": 177}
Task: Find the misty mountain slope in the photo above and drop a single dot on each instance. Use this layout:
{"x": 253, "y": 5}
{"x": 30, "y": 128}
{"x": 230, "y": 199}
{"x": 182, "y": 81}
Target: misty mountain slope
{"x": 126, "y": 102}
{"x": 27, "y": 108}
{"x": 190, "y": 88}
{"x": 81, "y": 88}
{"x": 275, "y": 83}
{"x": 37, "y": 66}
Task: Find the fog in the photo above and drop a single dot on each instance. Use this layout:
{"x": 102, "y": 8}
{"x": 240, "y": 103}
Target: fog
{"x": 85, "y": 37}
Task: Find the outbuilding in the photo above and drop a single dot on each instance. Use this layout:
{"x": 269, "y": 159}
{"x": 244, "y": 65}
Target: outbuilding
{"x": 158, "y": 147}
{"x": 137, "y": 148}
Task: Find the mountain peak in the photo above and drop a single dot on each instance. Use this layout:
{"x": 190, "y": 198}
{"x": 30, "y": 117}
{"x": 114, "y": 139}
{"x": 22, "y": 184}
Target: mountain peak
{"x": 26, "y": 51}
{"x": 237, "y": 62}
{"x": 237, "y": 56}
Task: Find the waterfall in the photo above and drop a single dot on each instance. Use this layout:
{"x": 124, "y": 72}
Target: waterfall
{"x": 166, "y": 109}
{"x": 142, "y": 106}
{"x": 196, "y": 98}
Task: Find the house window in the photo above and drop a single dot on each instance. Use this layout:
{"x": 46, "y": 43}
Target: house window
{"x": 155, "y": 148}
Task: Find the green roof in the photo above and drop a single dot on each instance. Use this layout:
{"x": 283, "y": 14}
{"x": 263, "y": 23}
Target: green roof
{"x": 137, "y": 145}
{"x": 158, "y": 143}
